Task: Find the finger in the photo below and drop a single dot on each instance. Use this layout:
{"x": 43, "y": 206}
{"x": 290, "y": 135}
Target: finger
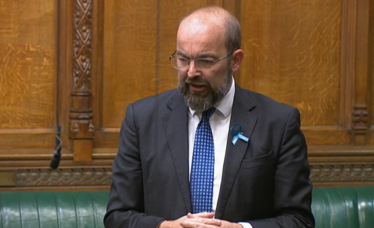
{"x": 214, "y": 222}
{"x": 205, "y": 215}
{"x": 195, "y": 223}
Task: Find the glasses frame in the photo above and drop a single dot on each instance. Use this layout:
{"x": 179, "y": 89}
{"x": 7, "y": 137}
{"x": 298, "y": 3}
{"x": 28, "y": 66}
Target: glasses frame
{"x": 189, "y": 61}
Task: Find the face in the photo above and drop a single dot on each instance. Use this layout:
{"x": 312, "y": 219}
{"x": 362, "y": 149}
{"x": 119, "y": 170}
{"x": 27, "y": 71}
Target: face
{"x": 202, "y": 88}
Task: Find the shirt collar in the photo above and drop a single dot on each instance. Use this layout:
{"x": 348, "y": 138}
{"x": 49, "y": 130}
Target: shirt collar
{"x": 224, "y": 106}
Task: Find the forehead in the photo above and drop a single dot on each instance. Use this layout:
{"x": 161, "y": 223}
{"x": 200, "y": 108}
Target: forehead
{"x": 201, "y": 34}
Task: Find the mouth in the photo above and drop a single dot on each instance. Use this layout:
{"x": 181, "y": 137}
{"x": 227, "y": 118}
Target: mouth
{"x": 193, "y": 87}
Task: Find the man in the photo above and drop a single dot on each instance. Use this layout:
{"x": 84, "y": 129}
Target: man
{"x": 259, "y": 173}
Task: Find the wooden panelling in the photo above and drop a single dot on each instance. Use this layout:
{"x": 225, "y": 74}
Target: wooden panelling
{"x": 316, "y": 55}
{"x": 65, "y": 67}
{"x": 27, "y": 84}
{"x": 326, "y": 135}
{"x": 169, "y": 16}
{"x": 27, "y": 73}
{"x": 135, "y": 57}
{"x": 136, "y": 50}
{"x": 27, "y": 138}
{"x": 371, "y": 71}
{"x": 129, "y": 56}
{"x": 293, "y": 55}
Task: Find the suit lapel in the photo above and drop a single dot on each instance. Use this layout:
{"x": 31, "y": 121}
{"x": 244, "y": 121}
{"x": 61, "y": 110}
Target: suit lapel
{"x": 175, "y": 123}
{"x": 241, "y": 114}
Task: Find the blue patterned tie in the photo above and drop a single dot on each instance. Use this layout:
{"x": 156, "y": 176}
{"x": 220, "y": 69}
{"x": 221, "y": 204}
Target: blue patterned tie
{"x": 202, "y": 171}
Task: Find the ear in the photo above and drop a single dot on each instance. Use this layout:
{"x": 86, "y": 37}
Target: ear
{"x": 236, "y": 60}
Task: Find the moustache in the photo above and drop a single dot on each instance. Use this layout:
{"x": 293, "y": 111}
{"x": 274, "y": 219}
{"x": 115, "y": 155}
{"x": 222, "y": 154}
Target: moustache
{"x": 197, "y": 82}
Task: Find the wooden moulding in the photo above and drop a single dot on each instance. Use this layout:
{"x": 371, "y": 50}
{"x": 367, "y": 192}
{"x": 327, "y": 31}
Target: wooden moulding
{"x": 69, "y": 177}
{"x": 323, "y": 174}
{"x": 330, "y": 166}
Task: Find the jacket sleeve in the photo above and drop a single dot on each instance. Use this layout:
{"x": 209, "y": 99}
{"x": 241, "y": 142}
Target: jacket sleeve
{"x": 293, "y": 188}
{"x": 126, "y": 203}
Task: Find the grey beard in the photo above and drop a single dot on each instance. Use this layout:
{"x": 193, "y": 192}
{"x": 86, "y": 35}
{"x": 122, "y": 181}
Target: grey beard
{"x": 197, "y": 103}
{"x": 200, "y": 104}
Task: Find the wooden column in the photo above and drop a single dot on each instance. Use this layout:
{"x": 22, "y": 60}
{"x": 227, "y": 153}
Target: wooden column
{"x": 81, "y": 126}
{"x": 360, "y": 122}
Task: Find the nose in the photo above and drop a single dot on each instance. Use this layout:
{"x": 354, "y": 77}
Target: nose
{"x": 191, "y": 69}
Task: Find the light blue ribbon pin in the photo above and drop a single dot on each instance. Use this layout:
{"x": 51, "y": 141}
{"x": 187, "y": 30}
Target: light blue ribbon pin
{"x": 236, "y": 130}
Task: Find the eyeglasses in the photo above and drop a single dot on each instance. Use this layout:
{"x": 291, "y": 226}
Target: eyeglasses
{"x": 182, "y": 63}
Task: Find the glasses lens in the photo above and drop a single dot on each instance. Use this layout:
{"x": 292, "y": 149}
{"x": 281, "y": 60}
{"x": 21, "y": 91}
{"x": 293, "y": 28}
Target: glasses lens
{"x": 173, "y": 62}
{"x": 178, "y": 62}
{"x": 182, "y": 62}
{"x": 204, "y": 63}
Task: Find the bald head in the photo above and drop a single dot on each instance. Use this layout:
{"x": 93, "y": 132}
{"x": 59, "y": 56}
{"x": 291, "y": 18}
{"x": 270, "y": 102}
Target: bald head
{"x": 219, "y": 18}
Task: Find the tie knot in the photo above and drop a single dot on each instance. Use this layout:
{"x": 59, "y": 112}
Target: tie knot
{"x": 208, "y": 113}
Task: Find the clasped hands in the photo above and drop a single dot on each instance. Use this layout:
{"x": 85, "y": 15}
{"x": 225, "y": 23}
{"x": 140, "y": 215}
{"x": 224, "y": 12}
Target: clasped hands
{"x": 201, "y": 220}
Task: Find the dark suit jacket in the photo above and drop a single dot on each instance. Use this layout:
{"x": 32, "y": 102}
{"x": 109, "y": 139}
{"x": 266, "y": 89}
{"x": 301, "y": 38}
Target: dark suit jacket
{"x": 264, "y": 182}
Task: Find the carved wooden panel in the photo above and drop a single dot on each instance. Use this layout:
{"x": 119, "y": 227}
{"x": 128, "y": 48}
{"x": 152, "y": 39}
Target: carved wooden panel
{"x": 343, "y": 173}
{"x": 81, "y": 126}
{"x": 64, "y": 177}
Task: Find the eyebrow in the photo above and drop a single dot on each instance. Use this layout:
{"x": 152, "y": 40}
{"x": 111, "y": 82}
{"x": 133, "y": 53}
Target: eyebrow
{"x": 204, "y": 55}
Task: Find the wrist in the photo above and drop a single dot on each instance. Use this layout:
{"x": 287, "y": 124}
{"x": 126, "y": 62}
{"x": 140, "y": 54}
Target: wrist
{"x": 165, "y": 224}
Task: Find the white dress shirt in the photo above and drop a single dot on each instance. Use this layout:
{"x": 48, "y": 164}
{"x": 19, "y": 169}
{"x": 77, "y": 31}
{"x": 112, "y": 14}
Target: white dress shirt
{"x": 220, "y": 125}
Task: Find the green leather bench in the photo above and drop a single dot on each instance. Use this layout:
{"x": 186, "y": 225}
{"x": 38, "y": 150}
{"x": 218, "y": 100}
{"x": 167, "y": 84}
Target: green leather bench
{"x": 70, "y": 209}
{"x": 340, "y": 207}
{"x": 344, "y": 207}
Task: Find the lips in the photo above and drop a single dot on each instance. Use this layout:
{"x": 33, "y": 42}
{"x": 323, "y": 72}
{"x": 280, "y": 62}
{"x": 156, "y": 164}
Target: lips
{"x": 197, "y": 87}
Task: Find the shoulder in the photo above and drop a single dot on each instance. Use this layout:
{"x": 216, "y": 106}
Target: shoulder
{"x": 266, "y": 108}
{"x": 263, "y": 102}
{"x": 158, "y": 99}
{"x": 156, "y": 104}
{"x": 267, "y": 102}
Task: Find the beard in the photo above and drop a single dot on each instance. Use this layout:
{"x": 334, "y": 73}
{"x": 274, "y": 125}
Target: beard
{"x": 201, "y": 103}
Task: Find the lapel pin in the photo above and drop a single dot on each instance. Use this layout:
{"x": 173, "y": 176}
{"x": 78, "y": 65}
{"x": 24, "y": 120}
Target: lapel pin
{"x": 236, "y": 130}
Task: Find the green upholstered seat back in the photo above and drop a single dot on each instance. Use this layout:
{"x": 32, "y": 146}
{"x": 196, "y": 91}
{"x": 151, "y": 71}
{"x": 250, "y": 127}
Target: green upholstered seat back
{"x": 74, "y": 209}
{"x": 340, "y": 207}
{"x": 344, "y": 207}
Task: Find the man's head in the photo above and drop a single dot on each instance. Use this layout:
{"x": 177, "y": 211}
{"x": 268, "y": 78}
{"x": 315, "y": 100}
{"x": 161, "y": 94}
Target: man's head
{"x": 211, "y": 36}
